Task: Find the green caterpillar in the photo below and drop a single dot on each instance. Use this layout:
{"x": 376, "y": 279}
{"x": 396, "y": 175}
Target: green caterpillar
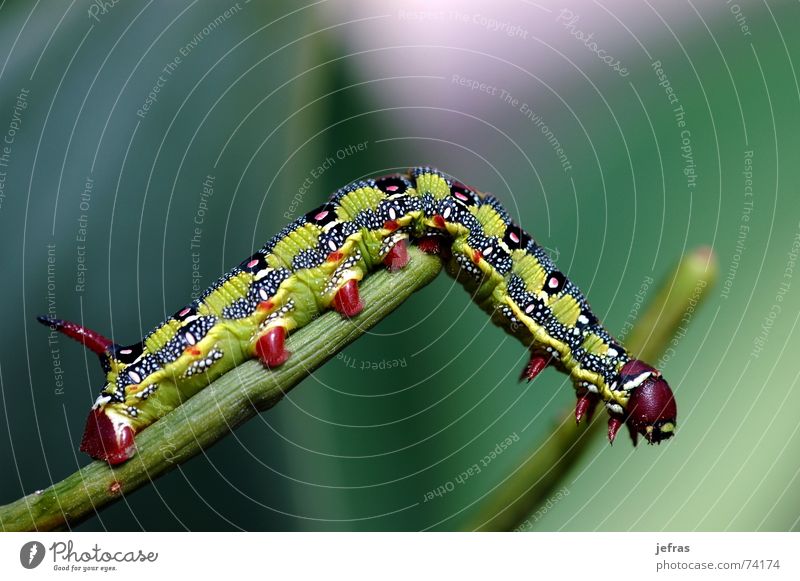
{"x": 316, "y": 262}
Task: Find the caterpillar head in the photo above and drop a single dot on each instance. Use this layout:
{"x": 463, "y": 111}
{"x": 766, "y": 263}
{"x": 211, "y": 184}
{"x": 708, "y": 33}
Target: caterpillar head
{"x": 651, "y": 409}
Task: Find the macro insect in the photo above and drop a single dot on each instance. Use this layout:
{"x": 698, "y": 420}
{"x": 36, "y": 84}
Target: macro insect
{"x": 316, "y": 263}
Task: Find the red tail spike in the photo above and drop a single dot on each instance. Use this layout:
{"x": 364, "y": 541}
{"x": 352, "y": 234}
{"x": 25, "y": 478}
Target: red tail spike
{"x": 92, "y": 340}
{"x": 582, "y": 408}
{"x": 534, "y": 367}
{"x": 270, "y": 347}
{"x": 346, "y": 300}
{"x": 614, "y": 425}
{"x": 397, "y": 257}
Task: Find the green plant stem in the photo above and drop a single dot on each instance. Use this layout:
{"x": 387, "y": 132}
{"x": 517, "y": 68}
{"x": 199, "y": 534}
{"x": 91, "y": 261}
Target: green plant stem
{"x": 537, "y": 479}
{"x": 219, "y": 408}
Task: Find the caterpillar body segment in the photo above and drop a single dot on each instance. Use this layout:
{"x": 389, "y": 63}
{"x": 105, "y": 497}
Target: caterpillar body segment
{"x": 317, "y": 262}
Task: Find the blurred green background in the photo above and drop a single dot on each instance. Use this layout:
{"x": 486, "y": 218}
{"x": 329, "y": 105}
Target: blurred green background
{"x": 262, "y": 94}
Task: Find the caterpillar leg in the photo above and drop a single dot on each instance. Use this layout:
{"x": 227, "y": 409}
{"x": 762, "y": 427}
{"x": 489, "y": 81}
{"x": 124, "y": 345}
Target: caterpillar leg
{"x": 346, "y": 301}
{"x": 585, "y": 406}
{"x": 270, "y": 347}
{"x": 397, "y": 257}
{"x": 535, "y": 366}
{"x": 614, "y": 424}
{"x": 430, "y": 244}
{"x": 104, "y": 439}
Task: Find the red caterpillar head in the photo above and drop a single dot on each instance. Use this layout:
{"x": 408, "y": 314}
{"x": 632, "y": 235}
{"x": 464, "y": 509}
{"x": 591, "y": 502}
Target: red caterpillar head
{"x": 651, "y": 409}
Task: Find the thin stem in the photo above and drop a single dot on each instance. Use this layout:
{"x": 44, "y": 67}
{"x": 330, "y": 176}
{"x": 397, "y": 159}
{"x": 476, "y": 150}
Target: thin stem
{"x": 219, "y": 408}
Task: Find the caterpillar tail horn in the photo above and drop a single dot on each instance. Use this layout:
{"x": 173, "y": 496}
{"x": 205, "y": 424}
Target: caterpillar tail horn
{"x": 92, "y": 340}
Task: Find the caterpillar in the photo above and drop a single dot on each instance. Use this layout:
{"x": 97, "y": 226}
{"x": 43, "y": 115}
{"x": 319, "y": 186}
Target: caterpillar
{"x": 316, "y": 263}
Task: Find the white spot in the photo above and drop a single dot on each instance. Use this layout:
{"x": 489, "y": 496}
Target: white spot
{"x": 583, "y": 319}
{"x": 101, "y": 401}
{"x": 614, "y": 407}
{"x": 636, "y": 381}
{"x": 392, "y": 214}
{"x": 190, "y": 338}
{"x": 488, "y": 250}
{"x": 262, "y": 273}
{"x": 332, "y": 244}
{"x": 126, "y": 351}
{"x": 612, "y": 352}
{"x": 529, "y": 308}
{"x": 134, "y": 377}
{"x": 262, "y": 292}
{"x": 592, "y": 387}
{"x": 446, "y": 213}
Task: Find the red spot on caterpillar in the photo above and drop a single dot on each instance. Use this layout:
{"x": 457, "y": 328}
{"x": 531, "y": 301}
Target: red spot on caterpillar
{"x": 335, "y": 256}
{"x": 430, "y": 245}
{"x": 391, "y": 225}
{"x": 476, "y": 256}
{"x": 535, "y": 366}
{"x": 392, "y": 188}
{"x": 270, "y": 347}
{"x": 265, "y": 306}
{"x": 192, "y": 351}
{"x": 397, "y": 257}
{"x": 462, "y": 197}
{"x": 92, "y": 340}
{"x": 346, "y": 300}
{"x": 321, "y": 215}
{"x": 186, "y": 311}
{"x": 105, "y": 440}
{"x": 439, "y": 222}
